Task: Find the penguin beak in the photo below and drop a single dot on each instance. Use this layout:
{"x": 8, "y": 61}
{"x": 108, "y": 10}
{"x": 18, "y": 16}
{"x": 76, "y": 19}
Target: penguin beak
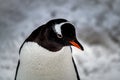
{"x": 76, "y": 44}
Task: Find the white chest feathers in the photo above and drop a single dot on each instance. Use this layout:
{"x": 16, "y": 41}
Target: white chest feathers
{"x": 37, "y": 63}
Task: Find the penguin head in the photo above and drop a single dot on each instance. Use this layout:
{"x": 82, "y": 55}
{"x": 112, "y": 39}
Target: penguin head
{"x": 55, "y": 34}
{"x": 66, "y": 34}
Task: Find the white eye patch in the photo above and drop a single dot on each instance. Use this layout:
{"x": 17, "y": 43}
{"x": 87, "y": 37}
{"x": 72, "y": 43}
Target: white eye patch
{"x": 57, "y": 28}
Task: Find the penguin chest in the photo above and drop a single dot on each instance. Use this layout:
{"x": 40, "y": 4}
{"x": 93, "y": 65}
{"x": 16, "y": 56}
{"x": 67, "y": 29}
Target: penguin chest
{"x": 37, "y": 63}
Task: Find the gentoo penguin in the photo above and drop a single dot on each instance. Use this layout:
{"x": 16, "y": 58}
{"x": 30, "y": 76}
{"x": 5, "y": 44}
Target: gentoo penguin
{"x": 46, "y": 53}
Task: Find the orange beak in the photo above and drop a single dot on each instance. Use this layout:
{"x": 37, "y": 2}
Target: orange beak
{"x": 76, "y": 44}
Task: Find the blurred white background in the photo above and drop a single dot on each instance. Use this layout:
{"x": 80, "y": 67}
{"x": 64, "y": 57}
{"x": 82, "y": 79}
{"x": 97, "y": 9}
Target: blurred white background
{"x": 98, "y": 29}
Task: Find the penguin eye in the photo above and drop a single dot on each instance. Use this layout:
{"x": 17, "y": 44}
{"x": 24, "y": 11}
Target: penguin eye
{"x": 59, "y": 36}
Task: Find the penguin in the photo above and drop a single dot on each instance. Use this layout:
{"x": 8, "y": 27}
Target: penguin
{"x": 46, "y": 53}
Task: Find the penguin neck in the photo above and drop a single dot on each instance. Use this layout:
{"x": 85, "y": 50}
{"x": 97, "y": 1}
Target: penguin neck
{"x": 40, "y": 36}
{"x": 49, "y": 45}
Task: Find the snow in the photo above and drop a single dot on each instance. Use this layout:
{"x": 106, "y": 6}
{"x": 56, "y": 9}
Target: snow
{"x": 97, "y": 24}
